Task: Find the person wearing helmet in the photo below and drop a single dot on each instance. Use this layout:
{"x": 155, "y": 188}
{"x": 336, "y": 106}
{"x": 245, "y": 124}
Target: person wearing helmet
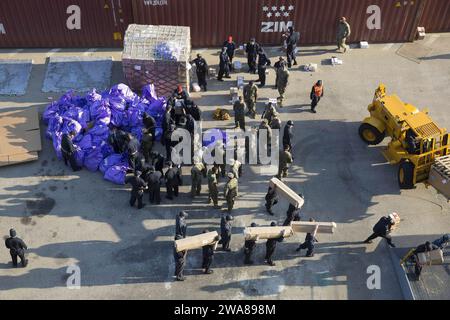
{"x": 231, "y": 191}
{"x": 180, "y": 261}
{"x": 225, "y": 232}
{"x": 181, "y": 225}
{"x": 271, "y": 244}
{"x": 138, "y": 185}
{"x": 16, "y": 248}
{"x": 288, "y": 134}
{"x": 249, "y": 246}
{"x": 382, "y": 229}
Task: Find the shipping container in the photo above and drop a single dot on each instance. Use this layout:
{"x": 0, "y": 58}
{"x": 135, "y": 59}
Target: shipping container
{"x": 436, "y": 16}
{"x": 212, "y": 21}
{"x": 64, "y": 23}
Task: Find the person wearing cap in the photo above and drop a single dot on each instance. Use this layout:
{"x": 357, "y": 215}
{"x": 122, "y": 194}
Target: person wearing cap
{"x": 284, "y": 161}
{"x": 154, "y": 179}
{"x": 207, "y": 255}
{"x": 443, "y": 241}
{"x": 292, "y": 214}
{"x": 288, "y": 134}
{"x": 249, "y": 246}
{"x": 252, "y": 48}
{"x": 231, "y": 47}
{"x": 239, "y": 113}
{"x": 271, "y": 244}
{"x": 181, "y": 225}
{"x": 310, "y": 240}
{"x": 250, "y": 93}
{"x": 316, "y": 94}
{"x": 138, "y": 185}
{"x": 180, "y": 94}
{"x": 225, "y": 232}
{"x": 16, "y": 248}
{"x": 180, "y": 261}
{"x": 231, "y": 191}
{"x": 291, "y": 46}
{"x": 343, "y": 33}
{"x": 201, "y": 68}
{"x": 382, "y": 229}
{"x": 263, "y": 63}
{"x": 282, "y": 83}
{"x": 198, "y": 171}
{"x": 213, "y": 191}
{"x": 271, "y": 199}
{"x": 278, "y": 65}
{"x": 224, "y": 65}
{"x": 173, "y": 180}
{"x": 269, "y": 112}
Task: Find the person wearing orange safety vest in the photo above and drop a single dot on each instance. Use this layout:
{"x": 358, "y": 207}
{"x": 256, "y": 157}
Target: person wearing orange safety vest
{"x": 316, "y": 94}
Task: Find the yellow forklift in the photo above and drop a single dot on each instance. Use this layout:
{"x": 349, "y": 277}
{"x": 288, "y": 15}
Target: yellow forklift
{"x": 416, "y": 140}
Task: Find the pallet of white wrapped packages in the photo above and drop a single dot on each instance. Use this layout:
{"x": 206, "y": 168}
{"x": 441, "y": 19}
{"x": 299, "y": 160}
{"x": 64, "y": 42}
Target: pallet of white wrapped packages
{"x": 364, "y": 45}
{"x": 197, "y": 242}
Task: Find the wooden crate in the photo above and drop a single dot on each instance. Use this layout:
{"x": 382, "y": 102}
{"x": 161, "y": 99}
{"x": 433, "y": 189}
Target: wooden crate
{"x": 197, "y": 242}
{"x": 287, "y": 193}
{"x": 267, "y": 232}
{"x": 308, "y": 227}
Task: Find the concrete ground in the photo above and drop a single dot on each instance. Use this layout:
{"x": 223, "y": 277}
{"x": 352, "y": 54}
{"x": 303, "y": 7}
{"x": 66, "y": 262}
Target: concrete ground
{"x": 126, "y": 254}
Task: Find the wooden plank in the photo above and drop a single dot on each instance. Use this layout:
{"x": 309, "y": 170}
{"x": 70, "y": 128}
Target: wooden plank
{"x": 267, "y": 232}
{"x": 308, "y": 227}
{"x": 287, "y": 193}
{"x": 197, "y": 242}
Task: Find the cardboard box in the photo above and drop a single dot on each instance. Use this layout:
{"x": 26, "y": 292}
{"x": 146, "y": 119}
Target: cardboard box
{"x": 421, "y": 33}
{"x": 195, "y": 87}
{"x": 267, "y": 232}
{"x": 311, "y": 67}
{"x": 439, "y": 176}
{"x": 287, "y": 193}
{"x": 435, "y": 257}
{"x": 364, "y": 45}
{"x": 197, "y": 242}
{"x": 308, "y": 227}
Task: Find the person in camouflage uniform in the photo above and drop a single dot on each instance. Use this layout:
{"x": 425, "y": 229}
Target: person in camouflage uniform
{"x": 212, "y": 187}
{"x": 343, "y": 33}
{"x": 269, "y": 112}
{"x": 284, "y": 161}
{"x": 239, "y": 113}
{"x": 198, "y": 170}
{"x": 250, "y": 96}
{"x": 282, "y": 82}
{"x": 231, "y": 191}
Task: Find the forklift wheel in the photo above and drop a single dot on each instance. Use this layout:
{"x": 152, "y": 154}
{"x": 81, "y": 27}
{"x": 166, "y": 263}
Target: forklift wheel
{"x": 406, "y": 175}
{"x": 370, "y": 134}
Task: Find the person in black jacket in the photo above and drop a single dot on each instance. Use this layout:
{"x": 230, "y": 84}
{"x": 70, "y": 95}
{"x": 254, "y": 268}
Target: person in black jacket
{"x": 157, "y": 161}
{"x": 68, "y": 151}
{"x": 249, "y": 246}
{"x": 426, "y": 247}
{"x": 293, "y": 214}
{"x": 118, "y": 140}
{"x": 181, "y": 225}
{"x": 291, "y": 43}
{"x": 168, "y": 143}
{"x": 252, "y": 48}
{"x": 133, "y": 147}
{"x": 382, "y": 229}
{"x": 231, "y": 47}
{"x": 208, "y": 255}
{"x": 154, "y": 179}
{"x": 180, "y": 262}
{"x": 225, "y": 232}
{"x": 288, "y": 134}
{"x": 138, "y": 186}
{"x": 271, "y": 244}
{"x": 271, "y": 199}
{"x": 149, "y": 124}
{"x": 310, "y": 240}
{"x": 180, "y": 94}
{"x": 173, "y": 181}
{"x": 168, "y": 120}
{"x": 263, "y": 63}
{"x": 16, "y": 248}
{"x": 224, "y": 65}
{"x": 201, "y": 68}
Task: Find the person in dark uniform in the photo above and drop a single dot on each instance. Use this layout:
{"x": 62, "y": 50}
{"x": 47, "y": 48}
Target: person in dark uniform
{"x": 288, "y": 134}
{"x": 310, "y": 240}
{"x": 291, "y": 43}
{"x": 180, "y": 94}
{"x": 137, "y": 162}
{"x": 231, "y": 47}
{"x": 132, "y": 150}
{"x": 138, "y": 186}
{"x": 271, "y": 244}
{"x": 426, "y": 247}
{"x": 225, "y": 232}
{"x": 16, "y": 248}
{"x": 382, "y": 229}
{"x": 292, "y": 214}
{"x": 158, "y": 161}
{"x": 154, "y": 179}
{"x": 146, "y": 144}
{"x": 263, "y": 63}
{"x": 167, "y": 121}
{"x": 118, "y": 140}
{"x": 208, "y": 255}
{"x": 224, "y": 65}
{"x": 201, "y": 68}
{"x": 181, "y": 225}
{"x": 180, "y": 261}
{"x": 173, "y": 180}
{"x": 249, "y": 246}
{"x": 168, "y": 143}
{"x": 149, "y": 124}
{"x": 271, "y": 199}
{"x": 252, "y": 48}
{"x": 68, "y": 151}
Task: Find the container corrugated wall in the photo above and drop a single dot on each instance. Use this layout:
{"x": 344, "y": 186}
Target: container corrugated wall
{"x": 54, "y": 23}
{"x": 436, "y": 16}
{"x": 211, "y": 21}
